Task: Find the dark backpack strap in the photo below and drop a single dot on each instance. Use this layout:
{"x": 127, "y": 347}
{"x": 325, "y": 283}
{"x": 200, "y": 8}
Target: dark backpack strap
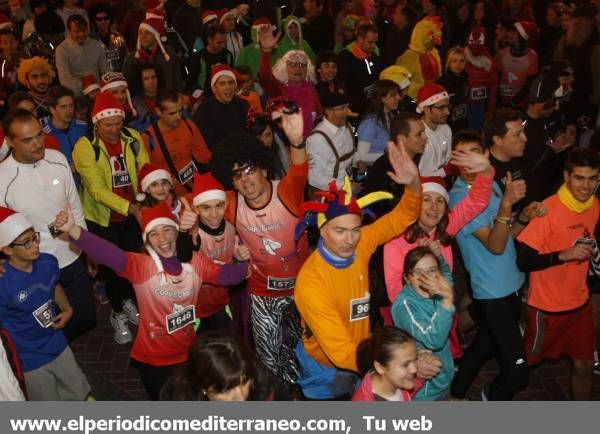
{"x": 134, "y": 143}
{"x": 338, "y": 158}
{"x": 163, "y": 147}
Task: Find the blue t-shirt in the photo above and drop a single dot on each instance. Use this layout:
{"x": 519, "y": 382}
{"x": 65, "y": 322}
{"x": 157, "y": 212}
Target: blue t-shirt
{"x": 372, "y": 131}
{"x": 26, "y": 305}
{"x": 492, "y": 276}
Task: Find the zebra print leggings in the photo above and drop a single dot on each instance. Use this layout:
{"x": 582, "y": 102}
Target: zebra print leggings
{"x": 276, "y": 330}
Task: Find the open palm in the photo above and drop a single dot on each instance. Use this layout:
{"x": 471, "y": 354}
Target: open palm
{"x": 405, "y": 170}
{"x": 267, "y": 40}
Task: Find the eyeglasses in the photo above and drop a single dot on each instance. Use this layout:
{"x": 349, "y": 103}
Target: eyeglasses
{"x": 102, "y": 18}
{"x": 28, "y": 243}
{"x": 418, "y": 272}
{"x": 246, "y": 169}
{"x": 441, "y": 107}
{"x": 297, "y": 64}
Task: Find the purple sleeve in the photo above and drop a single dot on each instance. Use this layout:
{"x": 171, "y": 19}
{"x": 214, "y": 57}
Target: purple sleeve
{"x": 232, "y": 274}
{"x": 102, "y": 251}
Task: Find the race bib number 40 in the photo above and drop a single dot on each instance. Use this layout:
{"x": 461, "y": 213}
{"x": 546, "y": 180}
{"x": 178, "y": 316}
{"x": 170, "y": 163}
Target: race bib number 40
{"x": 44, "y": 314}
{"x": 359, "y": 308}
{"x": 180, "y": 319}
{"x": 281, "y": 284}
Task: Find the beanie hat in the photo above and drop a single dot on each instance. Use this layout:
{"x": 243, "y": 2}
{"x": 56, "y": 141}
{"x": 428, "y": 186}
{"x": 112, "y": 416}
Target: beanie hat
{"x": 12, "y": 224}
{"x": 106, "y": 105}
{"x": 429, "y": 94}
{"x": 221, "y": 70}
{"x": 155, "y": 24}
{"x": 435, "y": 184}
{"x": 155, "y": 216}
{"x": 206, "y": 188}
{"x": 224, "y": 13}
{"x": 332, "y": 99}
{"x": 5, "y": 22}
{"x": 110, "y": 80}
{"x": 147, "y": 175}
{"x": 208, "y": 15}
{"x": 398, "y": 74}
{"x": 89, "y": 84}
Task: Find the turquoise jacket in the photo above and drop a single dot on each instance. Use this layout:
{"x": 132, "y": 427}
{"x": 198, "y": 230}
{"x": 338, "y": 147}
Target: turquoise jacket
{"x": 429, "y": 322}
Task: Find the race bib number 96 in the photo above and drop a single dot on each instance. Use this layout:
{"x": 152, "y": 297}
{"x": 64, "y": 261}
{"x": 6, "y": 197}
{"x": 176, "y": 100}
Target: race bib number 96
{"x": 180, "y": 319}
{"x": 359, "y": 308}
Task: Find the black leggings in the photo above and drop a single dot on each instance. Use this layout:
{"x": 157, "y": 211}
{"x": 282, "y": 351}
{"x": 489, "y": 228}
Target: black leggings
{"x": 153, "y": 377}
{"x": 498, "y": 336}
{"x": 126, "y": 235}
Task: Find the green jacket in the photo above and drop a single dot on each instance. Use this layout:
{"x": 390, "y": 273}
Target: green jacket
{"x": 93, "y": 165}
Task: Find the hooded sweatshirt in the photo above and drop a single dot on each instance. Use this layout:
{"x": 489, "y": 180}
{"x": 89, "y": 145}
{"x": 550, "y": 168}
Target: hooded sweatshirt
{"x": 288, "y": 44}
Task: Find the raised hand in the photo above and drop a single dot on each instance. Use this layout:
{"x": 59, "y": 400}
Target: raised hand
{"x": 293, "y": 126}
{"x": 514, "y": 191}
{"x": 405, "y": 170}
{"x": 534, "y": 209}
{"x": 434, "y": 245}
{"x": 64, "y": 220}
{"x": 473, "y": 162}
{"x": 562, "y": 142}
{"x": 188, "y": 217}
{"x": 266, "y": 39}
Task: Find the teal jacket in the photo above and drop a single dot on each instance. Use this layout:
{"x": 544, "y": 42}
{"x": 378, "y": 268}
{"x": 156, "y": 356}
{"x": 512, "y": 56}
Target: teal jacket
{"x": 429, "y": 322}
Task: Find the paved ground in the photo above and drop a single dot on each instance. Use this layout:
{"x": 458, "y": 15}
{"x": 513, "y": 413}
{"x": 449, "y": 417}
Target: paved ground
{"x": 113, "y": 378}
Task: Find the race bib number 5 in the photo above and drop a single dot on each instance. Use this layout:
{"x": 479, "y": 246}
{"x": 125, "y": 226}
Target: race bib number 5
{"x": 180, "y": 319}
{"x": 359, "y": 308}
{"x": 44, "y": 314}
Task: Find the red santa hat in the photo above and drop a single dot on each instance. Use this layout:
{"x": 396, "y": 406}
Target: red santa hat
{"x": 105, "y": 106}
{"x": 435, "y": 184}
{"x": 224, "y": 13}
{"x": 5, "y": 22}
{"x": 110, "y": 80}
{"x": 155, "y": 216}
{"x": 155, "y": 24}
{"x": 429, "y": 94}
{"x": 208, "y": 15}
{"x": 221, "y": 70}
{"x": 147, "y": 175}
{"x": 528, "y": 31}
{"x": 12, "y": 224}
{"x": 89, "y": 84}
{"x": 206, "y": 188}
{"x": 153, "y": 4}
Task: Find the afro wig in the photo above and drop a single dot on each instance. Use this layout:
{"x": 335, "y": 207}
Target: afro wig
{"x": 27, "y": 65}
{"x": 238, "y": 148}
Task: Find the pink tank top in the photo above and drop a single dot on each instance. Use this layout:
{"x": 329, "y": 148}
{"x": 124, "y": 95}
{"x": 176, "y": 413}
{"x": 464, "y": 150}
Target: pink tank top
{"x": 218, "y": 249}
{"x": 269, "y": 234}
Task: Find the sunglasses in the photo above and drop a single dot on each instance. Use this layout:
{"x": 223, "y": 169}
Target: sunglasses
{"x": 246, "y": 169}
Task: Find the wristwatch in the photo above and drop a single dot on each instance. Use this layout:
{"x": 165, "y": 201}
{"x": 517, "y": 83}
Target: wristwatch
{"x": 300, "y": 146}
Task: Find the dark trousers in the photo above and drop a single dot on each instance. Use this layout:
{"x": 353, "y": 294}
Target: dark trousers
{"x": 217, "y": 321}
{"x": 76, "y": 282}
{"x": 126, "y": 235}
{"x": 498, "y": 336}
{"x": 153, "y": 377}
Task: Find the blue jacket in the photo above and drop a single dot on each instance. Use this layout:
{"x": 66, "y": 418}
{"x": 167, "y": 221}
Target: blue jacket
{"x": 429, "y": 322}
{"x": 67, "y": 138}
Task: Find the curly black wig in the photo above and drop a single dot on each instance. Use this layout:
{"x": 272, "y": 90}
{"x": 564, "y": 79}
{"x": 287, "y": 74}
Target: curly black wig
{"x": 241, "y": 148}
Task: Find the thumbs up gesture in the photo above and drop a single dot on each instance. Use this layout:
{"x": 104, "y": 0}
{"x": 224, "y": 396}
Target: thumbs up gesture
{"x": 514, "y": 191}
{"x": 188, "y": 216}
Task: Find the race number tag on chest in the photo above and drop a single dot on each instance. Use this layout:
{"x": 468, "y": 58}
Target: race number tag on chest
{"x": 44, "y": 314}
{"x": 180, "y": 318}
{"x": 186, "y": 173}
{"x": 280, "y": 284}
{"x": 359, "y": 308}
{"x": 120, "y": 174}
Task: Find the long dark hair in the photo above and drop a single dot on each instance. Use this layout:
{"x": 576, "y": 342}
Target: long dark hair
{"x": 382, "y": 88}
{"x": 380, "y": 347}
{"x": 217, "y": 361}
{"x": 415, "y": 232}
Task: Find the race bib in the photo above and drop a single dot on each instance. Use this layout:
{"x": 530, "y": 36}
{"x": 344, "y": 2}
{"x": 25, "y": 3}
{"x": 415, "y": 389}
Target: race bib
{"x": 280, "y": 284}
{"x": 478, "y": 93}
{"x": 359, "y": 308}
{"x": 120, "y": 174}
{"x": 178, "y": 320}
{"x": 44, "y": 314}
{"x": 186, "y": 173}
{"x": 459, "y": 112}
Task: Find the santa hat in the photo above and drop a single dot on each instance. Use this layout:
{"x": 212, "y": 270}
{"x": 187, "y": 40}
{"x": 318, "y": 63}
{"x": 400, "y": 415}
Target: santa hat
{"x": 435, "y": 184}
{"x": 5, "y": 22}
{"x": 12, "y": 224}
{"x": 147, "y": 175}
{"x": 275, "y": 107}
{"x": 110, "y": 80}
{"x": 224, "y": 13}
{"x": 160, "y": 214}
{"x": 155, "y": 24}
{"x": 106, "y": 105}
{"x": 528, "y": 31}
{"x": 398, "y": 74}
{"x": 221, "y": 70}
{"x": 208, "y": 15}
{"x": 206, "y": 188}
{"x": 89, "y": 84}
{"x": 429, "y": 94}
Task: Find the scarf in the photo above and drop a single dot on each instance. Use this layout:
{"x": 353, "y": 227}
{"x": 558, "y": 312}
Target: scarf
{"x": 210, "y": 231}
{"x": 332, "y": 259}
{"x": 430, "y": 68}
{"x": 567, "y": 199}
{"x": 358, "y": 52}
